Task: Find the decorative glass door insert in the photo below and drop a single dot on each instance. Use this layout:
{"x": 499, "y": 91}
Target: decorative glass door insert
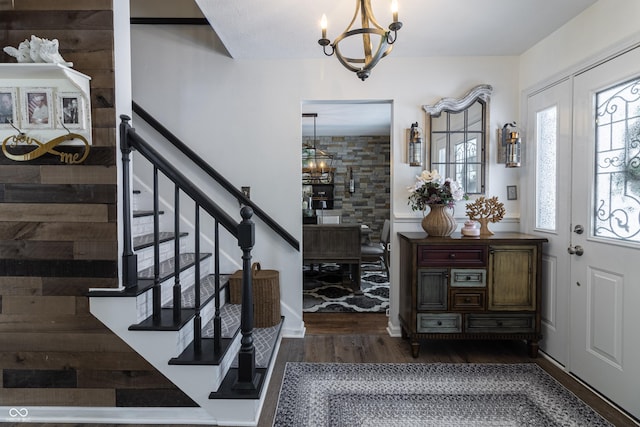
{"x": 617, "y": 166}
{"x": 546, "y": 169}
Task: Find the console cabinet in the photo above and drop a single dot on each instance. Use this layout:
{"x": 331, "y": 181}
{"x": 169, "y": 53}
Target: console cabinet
{"x": 470, "y": 288}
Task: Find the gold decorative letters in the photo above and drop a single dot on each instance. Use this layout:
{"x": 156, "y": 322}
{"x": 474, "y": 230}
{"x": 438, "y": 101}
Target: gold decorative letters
{"x": 48, "y": 147}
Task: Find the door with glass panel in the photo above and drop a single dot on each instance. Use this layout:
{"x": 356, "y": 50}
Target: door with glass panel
{"x": 605, "y": 240}
{"x": 549, "y": 154}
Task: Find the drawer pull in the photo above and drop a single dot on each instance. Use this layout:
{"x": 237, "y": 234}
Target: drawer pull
{"x": 467, "y": 299}
{"x": 452, "y": 256}
{"x": 499, "y": 323}
{"x": 439, "y": 322}
{"x": 468, "y": 277}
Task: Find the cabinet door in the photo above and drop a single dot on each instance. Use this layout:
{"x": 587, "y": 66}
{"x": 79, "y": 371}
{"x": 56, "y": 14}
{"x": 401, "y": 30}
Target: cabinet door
{"x": 512, "y": 284}
{"x": 432, "y": 289}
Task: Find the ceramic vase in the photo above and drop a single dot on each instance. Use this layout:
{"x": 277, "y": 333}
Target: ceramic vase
{"x": 439, "y": 222}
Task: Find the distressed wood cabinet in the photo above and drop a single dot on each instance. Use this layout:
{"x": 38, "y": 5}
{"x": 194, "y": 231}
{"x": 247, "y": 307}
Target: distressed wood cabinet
{"x": 470, "y": 288}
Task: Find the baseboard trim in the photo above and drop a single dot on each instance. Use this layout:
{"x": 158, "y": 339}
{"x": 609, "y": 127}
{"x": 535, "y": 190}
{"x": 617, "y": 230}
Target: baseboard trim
{"x": 564, "y": 369}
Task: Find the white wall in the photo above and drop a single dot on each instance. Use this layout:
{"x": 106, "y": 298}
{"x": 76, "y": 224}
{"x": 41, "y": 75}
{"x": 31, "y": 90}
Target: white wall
{"x": 244, "y": 117}
{"x": 586, "y": 38}
{"x": 122, "y": 76}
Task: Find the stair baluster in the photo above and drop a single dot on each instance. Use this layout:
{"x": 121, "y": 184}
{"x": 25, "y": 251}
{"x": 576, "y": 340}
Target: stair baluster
{"x": 197, "y": 320}
{"x": 217, "y": 320}
{"x": 157, "y": 289}
{"x": 177, "y": 287}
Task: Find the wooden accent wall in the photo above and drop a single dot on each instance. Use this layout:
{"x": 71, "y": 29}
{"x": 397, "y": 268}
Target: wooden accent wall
{"x": 58, "y": 239}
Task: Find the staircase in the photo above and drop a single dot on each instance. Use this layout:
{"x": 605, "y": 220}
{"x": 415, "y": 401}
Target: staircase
{"x": 174, "y": 308}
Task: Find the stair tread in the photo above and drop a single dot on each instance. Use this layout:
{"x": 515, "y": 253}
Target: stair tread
{"x": 146, "y": 240}
{"x": 167, "y": 267}
{"x": 143, "y": 213}
{"x": 230, "y": 319}
{"x": 207, "y": 291}
{"x": 264, "y": 340}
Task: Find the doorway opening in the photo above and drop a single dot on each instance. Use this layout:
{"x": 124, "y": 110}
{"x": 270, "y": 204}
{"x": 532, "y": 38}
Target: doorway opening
{"x": 349, "y": 145}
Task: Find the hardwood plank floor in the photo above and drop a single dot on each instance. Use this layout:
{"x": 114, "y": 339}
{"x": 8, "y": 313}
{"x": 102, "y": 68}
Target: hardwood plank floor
{"x": 363, "y": 338}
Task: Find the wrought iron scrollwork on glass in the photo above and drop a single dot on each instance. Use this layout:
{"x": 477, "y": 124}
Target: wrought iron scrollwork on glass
{"x": 617, "y": 180}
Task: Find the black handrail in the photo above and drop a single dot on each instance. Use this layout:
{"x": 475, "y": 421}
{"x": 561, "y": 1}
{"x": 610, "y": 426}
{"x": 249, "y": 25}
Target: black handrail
{"x": 215, "y": 175}
{"x": 187, "y": 186}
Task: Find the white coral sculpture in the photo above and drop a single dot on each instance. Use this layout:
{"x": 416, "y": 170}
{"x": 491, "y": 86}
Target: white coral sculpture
{"x": 37, "y": 50}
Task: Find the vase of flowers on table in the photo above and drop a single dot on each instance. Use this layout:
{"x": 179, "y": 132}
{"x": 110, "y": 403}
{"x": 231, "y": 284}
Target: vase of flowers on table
{"x": 439, "y": 195}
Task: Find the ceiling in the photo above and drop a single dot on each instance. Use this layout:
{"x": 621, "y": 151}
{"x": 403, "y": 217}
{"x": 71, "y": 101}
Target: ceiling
{"x": 290, "y": 29}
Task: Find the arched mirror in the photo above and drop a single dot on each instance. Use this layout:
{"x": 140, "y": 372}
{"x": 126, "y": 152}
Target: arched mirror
{"x": 458, "y": 130}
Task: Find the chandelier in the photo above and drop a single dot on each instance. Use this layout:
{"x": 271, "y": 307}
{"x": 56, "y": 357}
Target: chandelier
{"x": 370, "y": 28}
{"x": 317, "y": 164}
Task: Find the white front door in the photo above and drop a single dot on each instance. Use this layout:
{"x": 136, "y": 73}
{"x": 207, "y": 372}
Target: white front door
{"x": 549, "y": 148}
{"x": 605, "y": 264}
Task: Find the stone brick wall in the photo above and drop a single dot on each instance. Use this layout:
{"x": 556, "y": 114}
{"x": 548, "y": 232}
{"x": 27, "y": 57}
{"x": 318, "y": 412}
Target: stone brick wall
{"x": 369, "y": 156}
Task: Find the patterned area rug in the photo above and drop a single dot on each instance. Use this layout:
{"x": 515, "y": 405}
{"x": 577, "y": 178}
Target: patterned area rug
{"x": 328, "y": 289}
{"x": 415, "y": 394}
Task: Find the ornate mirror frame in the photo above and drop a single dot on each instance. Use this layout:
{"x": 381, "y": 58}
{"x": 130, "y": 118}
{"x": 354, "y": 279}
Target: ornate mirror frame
{"x": 463, "y": 129}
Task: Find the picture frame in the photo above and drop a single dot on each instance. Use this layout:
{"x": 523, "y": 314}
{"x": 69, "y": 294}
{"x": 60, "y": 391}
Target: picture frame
{"x": 70, "y": 113}
{"x": 512, "y": 192}
{"x": 37, "y": 108}
{"x": 8, "y": 107}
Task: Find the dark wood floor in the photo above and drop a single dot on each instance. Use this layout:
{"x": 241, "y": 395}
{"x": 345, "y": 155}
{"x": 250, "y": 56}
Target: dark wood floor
{"x": 363, "y": 338}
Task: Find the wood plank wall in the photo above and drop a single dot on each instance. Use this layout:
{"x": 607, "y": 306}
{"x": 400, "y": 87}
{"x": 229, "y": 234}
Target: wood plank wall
{"x": 58, "y": 238}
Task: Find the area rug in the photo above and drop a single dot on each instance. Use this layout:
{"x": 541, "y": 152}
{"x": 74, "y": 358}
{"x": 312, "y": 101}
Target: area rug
{"x": 415, "y": 394}
{"x": 327, "y": 289}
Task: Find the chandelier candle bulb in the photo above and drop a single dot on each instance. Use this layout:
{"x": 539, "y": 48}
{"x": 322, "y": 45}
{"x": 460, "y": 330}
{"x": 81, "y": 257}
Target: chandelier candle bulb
{"x": 323, "y": 25}
{"x": 394, "y": 10}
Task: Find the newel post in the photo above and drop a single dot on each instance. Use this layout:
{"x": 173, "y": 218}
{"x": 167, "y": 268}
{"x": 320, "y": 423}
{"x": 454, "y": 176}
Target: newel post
{"x": 129, "y": 259}
{"x": 247, "y": 378}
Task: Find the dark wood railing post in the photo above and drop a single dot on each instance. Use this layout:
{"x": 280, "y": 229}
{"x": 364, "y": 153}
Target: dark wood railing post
{"x": 129, "y": 259}
{"x": 247, "y": 378}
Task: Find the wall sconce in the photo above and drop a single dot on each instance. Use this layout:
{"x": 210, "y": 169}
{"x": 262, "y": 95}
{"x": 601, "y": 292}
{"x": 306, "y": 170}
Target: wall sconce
{"x": 352, "y": 182}
{"x": 415, "y": 146}
{"x": 511, "y": 143}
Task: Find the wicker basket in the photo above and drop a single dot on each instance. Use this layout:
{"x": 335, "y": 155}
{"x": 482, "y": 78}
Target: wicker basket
{"x": 266, "y": 294}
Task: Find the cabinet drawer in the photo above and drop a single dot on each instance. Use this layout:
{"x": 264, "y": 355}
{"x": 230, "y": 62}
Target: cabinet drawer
{"x": 467, "y": 300}
{"x": 439, "y": 323}
{"x": 500, "y": 323}
{"x": 451, "y": 256}
{"x": 469, "y": 277}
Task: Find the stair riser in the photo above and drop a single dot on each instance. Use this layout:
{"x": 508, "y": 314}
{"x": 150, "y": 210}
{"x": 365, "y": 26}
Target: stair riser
{"x": 142, "y": 225}
{"x": 166, "y": 251}
{"x": 144, "y": 302}
{"x": 185, "y": 335}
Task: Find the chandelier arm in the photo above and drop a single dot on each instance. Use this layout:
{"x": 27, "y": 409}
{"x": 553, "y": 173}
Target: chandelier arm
{"x": 380, "y": 52}
{"x": 355, "y": 15}
{"x": 369, "y": 14}
{"x": 392, "y": 39}
{"x": 324, "y": 49}
{"x": 383, "y": 49}
{"x": 357, "y": 31}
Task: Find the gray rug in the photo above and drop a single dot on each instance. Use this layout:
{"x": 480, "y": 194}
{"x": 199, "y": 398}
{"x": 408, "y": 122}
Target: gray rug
{"x": 414, "y": 394}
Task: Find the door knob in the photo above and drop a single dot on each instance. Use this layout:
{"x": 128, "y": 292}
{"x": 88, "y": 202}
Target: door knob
{"x": 578, "y": 229}
{"x": 577, "y": 250}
